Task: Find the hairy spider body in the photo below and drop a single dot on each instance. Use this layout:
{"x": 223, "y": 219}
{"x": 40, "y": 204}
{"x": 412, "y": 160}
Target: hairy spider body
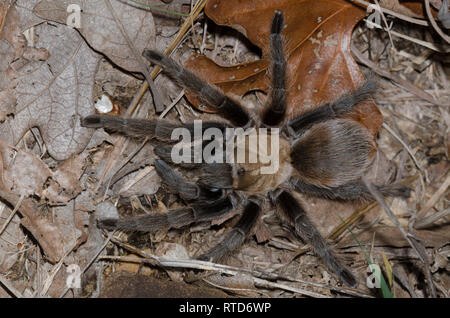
{"x": 320, "y": 153}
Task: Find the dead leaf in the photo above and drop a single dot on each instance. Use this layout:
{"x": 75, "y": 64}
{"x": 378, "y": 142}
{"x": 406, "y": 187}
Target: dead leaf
{"x": 11, "y": 32}
{"x": 173, "y": 251}
{"x": 396, "y": 6}
{"x": 144, "y": 181}
{"x": 22, "y": 172}
{"x": 101, "y": 31}
{"x": 46, "y": 234}
{"x": 236, "y": 79}
{"x": 10, "y": 239}
{"x": 317, "y": 48}
{"x": 53, "y": 94}
{"x": 7, "y": 104}
{"x": 65, "y": 183}
{"x": 27, "y": 18}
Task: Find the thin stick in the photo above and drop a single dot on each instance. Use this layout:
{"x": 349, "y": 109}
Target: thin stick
{"x": 157, "y": 261}
{"x": 19, "y": 203}
{"x": 434, "y": 24}
{"x": 175, "y": 101}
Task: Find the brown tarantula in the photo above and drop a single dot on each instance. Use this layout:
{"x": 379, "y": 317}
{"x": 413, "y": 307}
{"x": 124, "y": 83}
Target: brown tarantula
{"x": 321, "y": 153}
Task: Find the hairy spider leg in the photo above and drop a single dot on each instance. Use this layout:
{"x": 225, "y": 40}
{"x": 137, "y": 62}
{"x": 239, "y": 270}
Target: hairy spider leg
{"x": 297, "y": 126}
{"x": 352, "y": 191}
{"x": 238, "y": 233}
{"x": 153, "y": 128}
{"x": 175, "y": 183}
{"x": 274, "y": 114}
{"x": 290, "y": 210}
{"x": 214, "y": 97}
{"x": 175, "y": 218}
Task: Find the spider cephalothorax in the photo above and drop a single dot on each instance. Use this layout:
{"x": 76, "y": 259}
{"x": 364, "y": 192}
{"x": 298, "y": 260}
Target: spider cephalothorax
{"x": 321, "y": 153}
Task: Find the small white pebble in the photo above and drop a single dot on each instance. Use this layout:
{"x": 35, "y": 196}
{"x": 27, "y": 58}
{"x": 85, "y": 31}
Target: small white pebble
{"x": 104, "y": 104}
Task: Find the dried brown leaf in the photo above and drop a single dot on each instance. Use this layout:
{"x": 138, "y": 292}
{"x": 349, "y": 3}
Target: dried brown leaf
{"x": 317, "y": 48}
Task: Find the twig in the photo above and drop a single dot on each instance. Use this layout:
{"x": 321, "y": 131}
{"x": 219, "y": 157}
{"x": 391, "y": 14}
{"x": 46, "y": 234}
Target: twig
{"x": 18, "y": 204}
{"x": 416, "y": 246}
{"x": 231, "y": 270}
{"x": 175, "y": 101}
{"x": 434, "y": 24}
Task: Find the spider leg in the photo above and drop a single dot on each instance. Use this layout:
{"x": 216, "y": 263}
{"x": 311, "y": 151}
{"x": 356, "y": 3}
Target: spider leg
{"x": 175, "y": 218}
{"x": 212, "y": 175}
{"x": 227, "y": 108}
{"x": 349, "y": 191}
{"x": 274, "y": 114}
{"x": 341, "y": 106}
{"x": 160, "y": 129}
{"x": 174, "y": 182}
{"x": 238, "y": 234}
{"x": 293, "y": 213}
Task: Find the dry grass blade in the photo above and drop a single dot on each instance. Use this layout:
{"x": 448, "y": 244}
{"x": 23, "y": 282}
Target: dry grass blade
{"x": 19, "y": 202}
{"x": 426, "y": 44}
{"x": 429, "y": 221}
{"x": 413, "y": 242}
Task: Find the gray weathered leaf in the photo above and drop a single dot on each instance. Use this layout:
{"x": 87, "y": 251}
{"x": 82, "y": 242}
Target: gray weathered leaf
{"x": 99, "y": 28}
{"x": 53, "y": 94}
{"x": 27, "y": 17}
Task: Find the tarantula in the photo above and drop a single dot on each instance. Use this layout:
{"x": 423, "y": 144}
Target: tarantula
{"x": 321, "y": 153}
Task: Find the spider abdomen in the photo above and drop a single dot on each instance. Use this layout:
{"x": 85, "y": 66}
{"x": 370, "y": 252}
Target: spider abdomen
{"x": 333, "y": 153}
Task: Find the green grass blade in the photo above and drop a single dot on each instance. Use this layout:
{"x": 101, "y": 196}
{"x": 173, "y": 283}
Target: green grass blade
{"x": 385, "y": 291}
